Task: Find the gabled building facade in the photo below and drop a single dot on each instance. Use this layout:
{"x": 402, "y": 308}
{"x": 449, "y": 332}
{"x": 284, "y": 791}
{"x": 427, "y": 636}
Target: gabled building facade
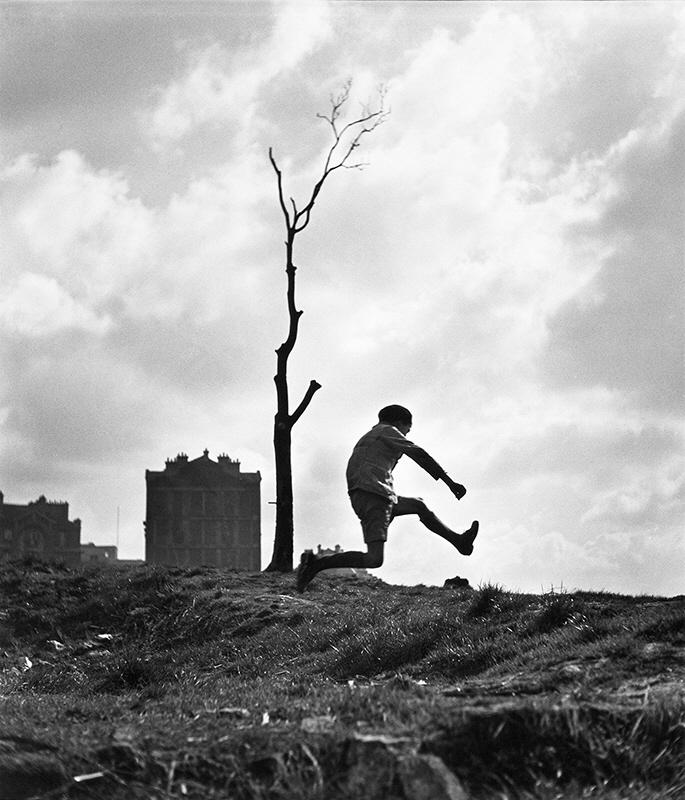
{"x": 203, "y": 512}
{"x": 40, "y": 529}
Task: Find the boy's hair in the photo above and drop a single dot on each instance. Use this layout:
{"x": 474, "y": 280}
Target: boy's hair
{"x": 391, "y": 414}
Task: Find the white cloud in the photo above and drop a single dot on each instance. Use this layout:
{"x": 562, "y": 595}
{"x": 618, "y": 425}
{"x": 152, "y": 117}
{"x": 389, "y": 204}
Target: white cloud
{"x": 79, "y": 225}
{"x": 670, "y": 85}
{"x": 626, "y": 329}
{"x": 221, "y": 87}
{"x": 36, "y": 305}
{"x": 502, "y": 63}
{"x": 77, "y": 238}
{"x": 206, "y": 93}
{"x": 299, "y": 28}
{"x": 644, "y": 500}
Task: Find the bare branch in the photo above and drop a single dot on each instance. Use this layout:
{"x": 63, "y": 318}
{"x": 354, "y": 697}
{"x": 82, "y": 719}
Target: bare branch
{"x": 366, "y": 123}
{"x": 376, "y": 118}
{"x": 337, "y": 104}
{"x": 306, "y": 211}
{"x": 279, "y": 175}
{"x": 313, "y": 387}
{"x": 338, "y": 153}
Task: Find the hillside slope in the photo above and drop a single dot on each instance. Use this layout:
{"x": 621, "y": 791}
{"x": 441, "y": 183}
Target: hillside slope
{"x": 152, "y": 682}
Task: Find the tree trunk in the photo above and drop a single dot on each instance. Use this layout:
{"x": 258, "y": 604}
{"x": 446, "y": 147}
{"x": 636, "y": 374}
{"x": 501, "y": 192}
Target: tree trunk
{"x": 282, "y": 559}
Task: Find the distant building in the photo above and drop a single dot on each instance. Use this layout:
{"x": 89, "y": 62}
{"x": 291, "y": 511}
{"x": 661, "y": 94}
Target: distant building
{"x": 203, "y": 512}
{"x": 41, "y": 529}
{"x": 98, "y": 553}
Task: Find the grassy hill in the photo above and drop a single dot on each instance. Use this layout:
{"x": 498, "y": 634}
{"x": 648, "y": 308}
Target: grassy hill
{"x": 147, "y": 682}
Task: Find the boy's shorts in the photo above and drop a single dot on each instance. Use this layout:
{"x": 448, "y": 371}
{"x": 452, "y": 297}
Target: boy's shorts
{"x": 375, "y": 513}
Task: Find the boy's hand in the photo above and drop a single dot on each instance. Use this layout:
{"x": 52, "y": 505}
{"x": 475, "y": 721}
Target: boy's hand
{"x": 456, "y": 488}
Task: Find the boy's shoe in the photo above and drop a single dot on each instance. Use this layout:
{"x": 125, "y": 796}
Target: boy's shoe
{"x": 305, "y": 571}
{"x": 465, "y": 540}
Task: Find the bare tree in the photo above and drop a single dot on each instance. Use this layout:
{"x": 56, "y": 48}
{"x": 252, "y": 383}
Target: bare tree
{"x": 346, "y": 139}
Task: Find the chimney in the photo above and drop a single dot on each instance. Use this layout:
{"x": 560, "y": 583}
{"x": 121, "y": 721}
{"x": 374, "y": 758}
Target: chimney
{"x": 230, "y": 465}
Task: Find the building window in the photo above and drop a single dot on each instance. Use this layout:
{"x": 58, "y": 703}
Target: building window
{"x": 196, "y": 504}
{"x": 177, "y": 504}
{"x": 178, "y": 534}
{"x": 34, "y": 539}
{"x": 158, "y": 503}
{"x": 247, "y": 504}
{"x": 211, "y": 504}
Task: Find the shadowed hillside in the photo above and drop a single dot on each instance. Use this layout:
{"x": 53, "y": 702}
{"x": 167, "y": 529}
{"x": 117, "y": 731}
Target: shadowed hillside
{"x": 168, "y": 683}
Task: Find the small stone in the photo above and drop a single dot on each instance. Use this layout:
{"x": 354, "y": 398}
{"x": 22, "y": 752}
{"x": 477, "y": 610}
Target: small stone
{"x": 372, "y": 765}
{"x": 321, "y": 724}
{"x": 653, "y": 650}
{"x": 233, "y": 711}
{"x": 570, "y": 671}
{"x": 425, "y": 777}
{"x": 457, "y": 583}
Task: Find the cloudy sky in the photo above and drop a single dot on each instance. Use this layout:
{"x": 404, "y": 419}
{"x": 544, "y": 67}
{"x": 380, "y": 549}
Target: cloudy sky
{"x": 509, "y": 266}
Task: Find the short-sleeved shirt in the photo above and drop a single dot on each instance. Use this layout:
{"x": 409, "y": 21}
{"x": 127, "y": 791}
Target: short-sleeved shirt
{"x": 375, "y": 456}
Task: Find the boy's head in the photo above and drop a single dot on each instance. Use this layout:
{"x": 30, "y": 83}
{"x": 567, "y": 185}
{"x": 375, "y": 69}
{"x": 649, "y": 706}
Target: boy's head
{"x": 399, "y": 416}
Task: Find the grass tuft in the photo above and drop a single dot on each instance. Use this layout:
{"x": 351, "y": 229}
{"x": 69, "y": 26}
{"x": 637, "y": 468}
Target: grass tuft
{"x": 486, "y": 600}
{"x": 558, "y": 608}
{"x": 128, "y": 671}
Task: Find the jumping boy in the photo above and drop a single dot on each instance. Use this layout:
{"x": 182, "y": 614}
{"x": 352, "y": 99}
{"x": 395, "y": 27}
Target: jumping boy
{"x": 370, "y": 486}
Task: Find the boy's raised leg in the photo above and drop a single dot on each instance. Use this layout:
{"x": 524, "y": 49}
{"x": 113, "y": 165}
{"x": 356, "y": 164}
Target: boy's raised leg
{"x": 415, "y": 505}
{"x": 466, "y": 539}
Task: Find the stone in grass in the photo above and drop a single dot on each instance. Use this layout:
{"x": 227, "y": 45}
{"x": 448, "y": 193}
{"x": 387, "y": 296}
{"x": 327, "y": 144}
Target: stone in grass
{"x": 457, "y": 583}
{"x": 425, "y": 777}
{"x": 380, "y": 767}
{"x": 320, "y": 724}
{"x": 371, "y": 765}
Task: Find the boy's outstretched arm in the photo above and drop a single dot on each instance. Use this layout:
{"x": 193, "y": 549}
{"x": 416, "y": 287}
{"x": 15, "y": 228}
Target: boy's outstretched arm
{"x": 456, "y": 488}
{"x": 427, "y": 462}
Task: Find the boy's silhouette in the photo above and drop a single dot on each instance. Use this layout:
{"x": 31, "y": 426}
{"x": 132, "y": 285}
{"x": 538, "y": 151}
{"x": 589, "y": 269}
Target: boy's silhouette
{"x": 370, "y": 485}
